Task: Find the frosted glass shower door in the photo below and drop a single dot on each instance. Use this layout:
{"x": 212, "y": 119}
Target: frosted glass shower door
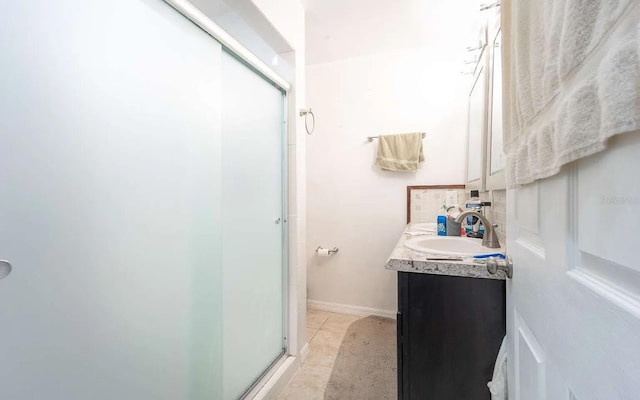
{"x": 110, "y": 203}
{"x": 253, "y": 221}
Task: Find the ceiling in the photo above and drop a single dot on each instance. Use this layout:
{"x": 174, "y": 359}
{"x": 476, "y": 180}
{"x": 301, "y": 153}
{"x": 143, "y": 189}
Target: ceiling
{"x": 339, "y": 29}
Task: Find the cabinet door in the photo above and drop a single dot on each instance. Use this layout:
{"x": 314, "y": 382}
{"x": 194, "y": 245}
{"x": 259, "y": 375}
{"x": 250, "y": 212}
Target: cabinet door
{"x": 452, "y": 330}
{"x": 399, "y": 349}
{"x": 402, "y": 344}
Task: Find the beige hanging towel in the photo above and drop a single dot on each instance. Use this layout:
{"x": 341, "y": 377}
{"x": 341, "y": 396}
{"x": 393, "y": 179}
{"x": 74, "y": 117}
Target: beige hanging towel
{"x": 402, "y": 153}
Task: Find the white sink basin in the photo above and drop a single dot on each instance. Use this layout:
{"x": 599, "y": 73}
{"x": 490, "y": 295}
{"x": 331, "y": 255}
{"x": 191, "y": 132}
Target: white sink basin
{"x": 450, "y": 245}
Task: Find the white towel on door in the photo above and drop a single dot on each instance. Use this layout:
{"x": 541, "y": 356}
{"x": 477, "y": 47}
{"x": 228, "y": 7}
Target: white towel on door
{"x": 573, "y": 68}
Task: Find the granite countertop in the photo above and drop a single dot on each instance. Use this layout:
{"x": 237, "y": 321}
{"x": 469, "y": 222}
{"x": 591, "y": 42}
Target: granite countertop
{"x": 404, "y": 259}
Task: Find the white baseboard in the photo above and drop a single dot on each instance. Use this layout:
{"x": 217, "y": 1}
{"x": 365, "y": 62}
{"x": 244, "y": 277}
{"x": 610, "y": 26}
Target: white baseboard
{"x": 350, "y": 310}
{"x": 304, "y": 353}
{"x": 276, "y": 383}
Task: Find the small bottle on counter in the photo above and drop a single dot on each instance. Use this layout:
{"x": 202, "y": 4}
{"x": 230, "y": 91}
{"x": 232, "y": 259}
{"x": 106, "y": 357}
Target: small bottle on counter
{"x": 442, "y": 225}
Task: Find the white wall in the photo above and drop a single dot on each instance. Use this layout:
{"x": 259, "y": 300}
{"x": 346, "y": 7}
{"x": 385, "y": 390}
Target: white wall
{"x": 340, "y": 29}
{"x": 287, "y": 16}
{"x": 351, "y": 203}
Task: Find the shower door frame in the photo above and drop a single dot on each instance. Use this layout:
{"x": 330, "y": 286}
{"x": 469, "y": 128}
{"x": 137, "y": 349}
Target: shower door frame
{"x": 287, "y": 328}
{"x": 235, "y": 48}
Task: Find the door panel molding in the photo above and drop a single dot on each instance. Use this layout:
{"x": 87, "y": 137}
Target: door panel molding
{"x": 591, "y": 261}
{"x": 528, "y": 207}
{"x": 611, "y": 293}
{"x": 530, "y": 363}
{"x": 528, "y": 217}
{"x": 533, "y": 249}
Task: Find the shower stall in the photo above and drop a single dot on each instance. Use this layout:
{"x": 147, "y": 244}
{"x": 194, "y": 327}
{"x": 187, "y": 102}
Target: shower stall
{"x": 142, "y": 206}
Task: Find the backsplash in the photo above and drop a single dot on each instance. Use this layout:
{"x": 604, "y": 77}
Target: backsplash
{"x": 426, "y": 204}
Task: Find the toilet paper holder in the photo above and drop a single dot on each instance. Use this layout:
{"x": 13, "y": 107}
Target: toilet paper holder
{"x": 331, "y": 251}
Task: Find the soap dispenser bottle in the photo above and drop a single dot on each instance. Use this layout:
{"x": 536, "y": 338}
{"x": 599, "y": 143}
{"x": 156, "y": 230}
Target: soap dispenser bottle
{"x": 442, "y": 225}
{"x": 442, "y": 221}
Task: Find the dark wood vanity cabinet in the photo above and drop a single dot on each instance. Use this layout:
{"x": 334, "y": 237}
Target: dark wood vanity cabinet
{"x": 449, "y": 332}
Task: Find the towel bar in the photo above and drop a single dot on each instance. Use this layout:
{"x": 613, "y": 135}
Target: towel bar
{"x": 488, "y": 6}
{"x": 303, "y": 113}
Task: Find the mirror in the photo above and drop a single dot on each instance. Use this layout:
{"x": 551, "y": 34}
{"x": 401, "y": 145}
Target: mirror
{"x": 495, "y": 154}
{"x": 476, "y": 126}
{"x": 485, "y": 154}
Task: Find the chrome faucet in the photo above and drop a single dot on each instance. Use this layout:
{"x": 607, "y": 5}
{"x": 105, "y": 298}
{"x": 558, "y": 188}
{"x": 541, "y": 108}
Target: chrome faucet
{"x": 490, "y": 239}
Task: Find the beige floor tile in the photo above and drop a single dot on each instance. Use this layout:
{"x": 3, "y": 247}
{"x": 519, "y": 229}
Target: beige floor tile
{"x": 325, "y": 331}
{"x": 316, "y": 318}
{"x": 308, "y": 384}
{"x": 339, "y": 322}
{"x": 324, "y": 347}
{"x": 311, "y": 332}
{"x": 327, "y": 339}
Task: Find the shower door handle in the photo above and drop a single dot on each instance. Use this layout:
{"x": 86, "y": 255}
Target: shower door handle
{"x": 278, "y": 220}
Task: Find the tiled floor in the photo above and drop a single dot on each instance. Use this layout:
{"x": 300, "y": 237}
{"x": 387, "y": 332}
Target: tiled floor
{"x": 325, "y": 331}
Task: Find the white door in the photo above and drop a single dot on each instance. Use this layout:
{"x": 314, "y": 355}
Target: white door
{"x": 573, "y": 305}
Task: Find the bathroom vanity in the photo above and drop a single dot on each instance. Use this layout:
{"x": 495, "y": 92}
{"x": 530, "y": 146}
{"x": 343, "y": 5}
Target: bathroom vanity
{"x": 450, "y": 324}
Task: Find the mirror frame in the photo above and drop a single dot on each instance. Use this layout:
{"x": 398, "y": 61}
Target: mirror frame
{"x": 497, "y": 180}
{"x": 480, "y": 79}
